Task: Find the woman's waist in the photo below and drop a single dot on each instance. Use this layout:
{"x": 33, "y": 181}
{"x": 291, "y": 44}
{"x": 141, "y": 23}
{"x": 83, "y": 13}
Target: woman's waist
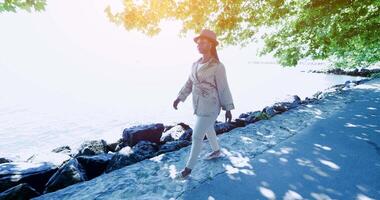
{"x": 204, "y": 89}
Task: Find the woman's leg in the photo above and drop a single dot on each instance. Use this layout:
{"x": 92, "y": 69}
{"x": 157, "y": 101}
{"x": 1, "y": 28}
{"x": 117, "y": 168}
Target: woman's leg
{"x": 212, "y": 138}
{"x": 202, "y": 123}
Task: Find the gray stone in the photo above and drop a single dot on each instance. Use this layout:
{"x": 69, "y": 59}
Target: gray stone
{"x": 35, "y": 174}
{"x": 68, "y": 174}
{"x": 19, "y": 192}
{"x": 127, "y": 155}
{"x": 149, "y": 132}
{"x": 92, "y": 147}
{"x": 173, "y": 146}
{"x": 173, "y": 134}
{"x": 94, "y": 165}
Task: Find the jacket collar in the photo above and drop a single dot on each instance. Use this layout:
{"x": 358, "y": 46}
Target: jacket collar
{"x": 208, "y": 64}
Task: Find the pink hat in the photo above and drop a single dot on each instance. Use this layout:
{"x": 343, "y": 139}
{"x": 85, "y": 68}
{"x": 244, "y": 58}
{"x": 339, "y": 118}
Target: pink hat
{"x": 206, "y": 33}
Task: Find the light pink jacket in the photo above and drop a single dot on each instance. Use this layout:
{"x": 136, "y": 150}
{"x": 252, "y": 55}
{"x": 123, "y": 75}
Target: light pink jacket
{"x": 209, "y": 88}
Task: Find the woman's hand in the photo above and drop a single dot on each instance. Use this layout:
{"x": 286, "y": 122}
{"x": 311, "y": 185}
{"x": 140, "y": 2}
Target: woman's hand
{"x": 228, "y": 116}
{"x": 175, "y": 103}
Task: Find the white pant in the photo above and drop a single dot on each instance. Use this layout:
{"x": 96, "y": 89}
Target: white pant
{"x": 203, "y": 125}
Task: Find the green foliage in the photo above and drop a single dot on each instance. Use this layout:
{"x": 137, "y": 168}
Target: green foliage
{"x": 28, "y": 5}
{"x": 344, "y": 31}
{"x": 263, "y": 116}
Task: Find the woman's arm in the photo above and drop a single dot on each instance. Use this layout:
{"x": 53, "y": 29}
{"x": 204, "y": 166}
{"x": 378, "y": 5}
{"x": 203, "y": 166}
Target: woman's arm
{"x": 224, "y": 92}
{"x": 185, "y": 90}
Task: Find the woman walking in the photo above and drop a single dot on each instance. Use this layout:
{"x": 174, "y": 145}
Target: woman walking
{"x": 210, "y": 93}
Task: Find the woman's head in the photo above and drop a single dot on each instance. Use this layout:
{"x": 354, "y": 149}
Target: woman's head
{"x": 207, "y": 46}
{"x": 207, "y": 42}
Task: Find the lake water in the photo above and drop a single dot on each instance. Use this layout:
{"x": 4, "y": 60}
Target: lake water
{"x": 41, "y": 111}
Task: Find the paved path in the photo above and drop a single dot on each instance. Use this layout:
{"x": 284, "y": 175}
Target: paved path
{"x": 335, "y": 158}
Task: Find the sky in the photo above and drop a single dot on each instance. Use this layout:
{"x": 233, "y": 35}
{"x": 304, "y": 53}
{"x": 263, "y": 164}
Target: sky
{"x": 73, "y": 31}
{"x": 72, "y": 49}
{"x": 73, "y": 42}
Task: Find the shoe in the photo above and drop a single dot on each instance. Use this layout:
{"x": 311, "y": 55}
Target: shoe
{"x": 214, "y": 155}
{"x": 179, "y": 175}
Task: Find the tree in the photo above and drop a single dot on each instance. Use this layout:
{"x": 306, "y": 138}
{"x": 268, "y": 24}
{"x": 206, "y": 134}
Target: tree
{"x": 28, "y": 5}
{"x": 344, "y": 31}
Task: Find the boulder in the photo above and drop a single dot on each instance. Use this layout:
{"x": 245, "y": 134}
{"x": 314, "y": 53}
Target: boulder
{"x": 238, "y": 122}
{"x": 168, "y": 127}
{"x": 92, "y": 147}
{"x": 290, "y": 103}
{"x": 187, "y": 135}
{"x": 172, "y": 134}
{"x": 19, "y": 192}
{"x": 144, "y": 149}
{"x": 222, "y": 127}
{"x": 308, "y": 100}
{"x": 114, "y": 147}
{"x": 269, "y": 111}
{"x": 127, "y": 155}
{"x": 63, "y": 149}
{"x": 122, "y": 158}
{"x": 349, "y": 84}
{"x": 173, "y": 146}
{"x": 149, "y": 132}
{"x": 5, "y": 160}
{"x": 244, "y": 115}
{"x": 318, "y": 95}
{"x": 35, "y": 174}
{"x": 249, "y": 117}
{"x": 68, "y": 174}
{"x": 94, "y": 165}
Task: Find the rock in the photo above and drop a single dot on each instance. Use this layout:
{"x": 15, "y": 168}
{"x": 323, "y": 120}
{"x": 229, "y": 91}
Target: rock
{"x": 168, "y": 127}
{"x": 144, "y": 149}
{"x": 92, "y": 147}
{"x": 318, "y": 95}
{"x": 280, "y": 107}
{"x": 353, "y": 73}
{"x": 288, "y": 104}
{"x": 336, "y": 71}
{"x": 54, "y": 158}
{"x": 114, "y": 147}
{"x": 127, "y": 156}
{"x": 269, "y": 111}
{"x": 122, "y": 158}
{"x": 172, "y": 134}
{"x": 238, "y": 122}
{"x": 35, "y": 174}
{"x": 149, "y": 132}
{"x": 68, "y": 174}
{"x": 349, "y": 84}
{"x": 173, "y": 146}
{"x": 187, "y": 135}
{"x": 243, "y": 115}
{"x": 19, "y": 192}
{"x": 63, "y": 149}
{"x": 5, "y": 160}
{"x": 308, "y": 100}
{"x": 94, "y": 165}
{"x": 356, "y": 72}
{"x": 364, "y": 72}
{"x": 185, "y": 126}
{"x": 250, "y": 117}
{"x": 222, "y": 127}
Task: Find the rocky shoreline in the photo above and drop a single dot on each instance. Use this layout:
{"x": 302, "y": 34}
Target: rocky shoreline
{"x": 356, "y": 72}
{"x": 63, "y": 167}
